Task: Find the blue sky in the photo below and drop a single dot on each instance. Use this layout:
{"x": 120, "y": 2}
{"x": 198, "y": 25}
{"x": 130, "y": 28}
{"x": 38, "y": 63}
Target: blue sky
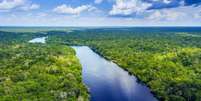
{"x": 100, "y": 12}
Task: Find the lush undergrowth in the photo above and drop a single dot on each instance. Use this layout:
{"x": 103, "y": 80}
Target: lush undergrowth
{"x": 168, "y": 62}
{"x": 38, "y": 72}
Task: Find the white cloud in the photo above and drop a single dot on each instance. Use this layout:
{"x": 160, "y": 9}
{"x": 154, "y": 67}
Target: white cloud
{"x": 128, "y": 7}
{"x": 155, "y": 15}
{"x": 41, "y": 14}
{"x": 30, "y": 7}
{"x": 64, "y": 9}
{"x": 197, "y": 15}
{"x": 35, "y": 6}
{"x": 98, "y": 1}
{"x": 10, "y": 4}
{"x": 167, "y": 15}
{"x": 65, "y": 20}
{"x": 167, "y": 1}
{"x": 185, "y": 14}
{"x": 163, "y": 1}
{"x": 7, "y": 5}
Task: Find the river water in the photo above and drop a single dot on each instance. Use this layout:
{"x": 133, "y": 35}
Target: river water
{"x": 38, "y": 40}
{"x": 107, "y": 81}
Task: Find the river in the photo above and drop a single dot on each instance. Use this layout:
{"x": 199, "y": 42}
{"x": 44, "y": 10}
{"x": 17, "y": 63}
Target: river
{"x": 38, "y": 40}
{"x": 107, "y": 81}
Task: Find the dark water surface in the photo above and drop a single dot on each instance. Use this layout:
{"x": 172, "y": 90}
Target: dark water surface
{"x": 107, "y": 81}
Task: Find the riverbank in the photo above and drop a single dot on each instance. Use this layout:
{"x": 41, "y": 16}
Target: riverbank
{"x": 124, "y": 68}
{"x": 168, "y": 63}
{"x": 107, "y": 81}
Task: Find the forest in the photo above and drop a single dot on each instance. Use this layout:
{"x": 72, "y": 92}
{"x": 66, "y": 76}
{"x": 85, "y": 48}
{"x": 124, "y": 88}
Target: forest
{"x": 38, "y": 72}
{"x": 169, "y": 62}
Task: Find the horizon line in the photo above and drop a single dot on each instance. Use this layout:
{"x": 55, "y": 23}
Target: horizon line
{"x": 45, "y": 26}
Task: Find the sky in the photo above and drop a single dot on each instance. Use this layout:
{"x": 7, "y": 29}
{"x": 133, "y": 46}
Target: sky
{"x": 100, "y": 12}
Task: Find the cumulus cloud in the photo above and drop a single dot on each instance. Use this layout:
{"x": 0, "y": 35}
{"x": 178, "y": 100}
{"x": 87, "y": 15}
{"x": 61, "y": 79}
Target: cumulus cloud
{"x": 161, "y": 4}
{"x": 8, "y": 5}
{"x": 197, "y": 15}
{"x": 183, "y": 14}
{"x": 167, "y": 1}
{"x": 128, "y": 7}
{"x": 113, "y": 12}
{"x": 64, "y": 9}
{"x": 30, "y": 7}
{"x": 160, "y": 8}
{"x": 166, "y": 15}
{"x": 98, "y": 1}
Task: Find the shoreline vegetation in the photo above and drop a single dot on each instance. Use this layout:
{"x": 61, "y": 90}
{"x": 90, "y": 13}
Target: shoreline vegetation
{"x": 127, "y": 70}
{"x": 168, "y": 61}
{"x": 39, "y": 71}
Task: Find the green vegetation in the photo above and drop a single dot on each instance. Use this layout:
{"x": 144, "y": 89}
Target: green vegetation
{"x": 170, "y": 64}
{"x": 188, "y": 35}
{"x": 167, "y": 60}
{"x": 38, "y": 72}
{"x": 9, "y": 37}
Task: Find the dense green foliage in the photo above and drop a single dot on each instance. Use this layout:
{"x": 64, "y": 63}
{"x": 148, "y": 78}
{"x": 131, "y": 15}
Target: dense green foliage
{"x": 15, "y": 37}
{"x": 8, "y": 37}
{"x": 168, "y": 62}
{"x": 38, "y": 72}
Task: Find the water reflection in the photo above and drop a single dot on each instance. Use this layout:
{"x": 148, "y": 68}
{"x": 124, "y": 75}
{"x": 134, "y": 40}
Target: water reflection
{"x": 107, "y": 81}
{"x": 38, "y": 40}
